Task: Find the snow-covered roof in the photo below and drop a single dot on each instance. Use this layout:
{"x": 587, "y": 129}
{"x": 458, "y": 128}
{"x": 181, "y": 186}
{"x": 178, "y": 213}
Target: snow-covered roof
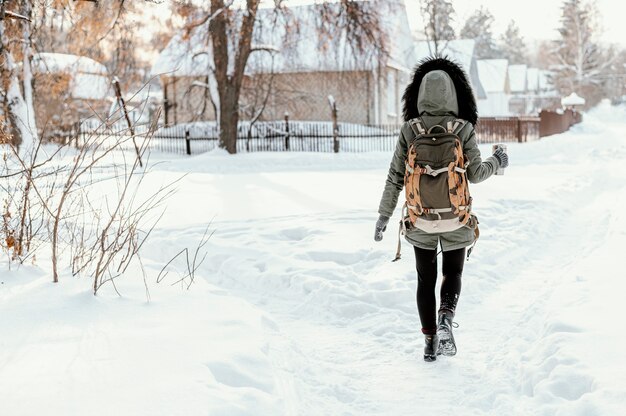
{"x": 493, "y": 74}
{"x": 301, "y": 51}
{"x": 532, "y": 77}
{"x": 62, "y": 62}
{"x": 572, "y": 99}
{"x": 518, "y": 78}
{"x": 90, "y": 80}
{"x": 544, "y": 80}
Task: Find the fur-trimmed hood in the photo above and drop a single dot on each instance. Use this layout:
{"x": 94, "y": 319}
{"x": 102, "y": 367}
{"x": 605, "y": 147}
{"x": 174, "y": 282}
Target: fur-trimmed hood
{"x": 466, "y": 102}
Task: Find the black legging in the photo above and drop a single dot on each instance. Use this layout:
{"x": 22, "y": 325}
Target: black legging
{"x": 452, "y": 267}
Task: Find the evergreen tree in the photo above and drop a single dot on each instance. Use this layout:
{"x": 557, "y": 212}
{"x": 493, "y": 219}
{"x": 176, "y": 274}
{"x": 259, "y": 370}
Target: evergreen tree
{"x": 512, "y": 45}
{"x": 438, "y": 18}
{"x": 478, "y": 27}
{"x": 580, "y": 60}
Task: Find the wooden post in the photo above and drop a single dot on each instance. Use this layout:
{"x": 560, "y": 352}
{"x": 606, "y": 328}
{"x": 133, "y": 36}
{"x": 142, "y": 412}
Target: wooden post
{"x": 120, "y": 99}
{"x": 520, "y": 139}
{"x": 187, "y": 142}
{"x": 287, "y": 131}
{"x": 78, "y": 133}
{"x": 333, "y": 109}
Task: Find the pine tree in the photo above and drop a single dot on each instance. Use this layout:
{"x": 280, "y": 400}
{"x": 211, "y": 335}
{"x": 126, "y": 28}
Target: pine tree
{"x": 438, "y": 18}
{"x": 512, "y": 45}
{"x": 478, "y": 27}
{"x": 580, "y": 59}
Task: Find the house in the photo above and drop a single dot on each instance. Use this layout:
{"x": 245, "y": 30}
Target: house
{"x": 494, "y": 77}
{"x": 302, "y": 68}
{"x": 68, "y": 88}
{"x": 462, "y": 52}
{"x": 540, "y": 94}
{"x": 519, "y": 103}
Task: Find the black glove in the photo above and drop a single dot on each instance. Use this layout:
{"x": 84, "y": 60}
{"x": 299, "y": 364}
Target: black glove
{"x": 501, "y": 157}
{"x": 381, "y": 226}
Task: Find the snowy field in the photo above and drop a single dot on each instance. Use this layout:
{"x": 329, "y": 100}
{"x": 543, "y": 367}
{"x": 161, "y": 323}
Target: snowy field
{"x": 297, "y": 311}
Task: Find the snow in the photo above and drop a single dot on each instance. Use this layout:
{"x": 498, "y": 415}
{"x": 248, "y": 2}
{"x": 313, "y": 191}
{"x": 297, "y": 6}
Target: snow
{"x": 572, "y": 99}
{"x": 517, "y": 78}
{"x": 493, "y": 74}
{"x": 533, "y": 80}
{"x": 61, "y": 62}
{"x": 90, "y": 79}
{"x": 297, "y": 311}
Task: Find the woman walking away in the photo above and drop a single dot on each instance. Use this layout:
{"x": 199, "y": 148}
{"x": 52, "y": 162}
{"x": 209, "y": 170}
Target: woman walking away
{"x": 435, "y": 157}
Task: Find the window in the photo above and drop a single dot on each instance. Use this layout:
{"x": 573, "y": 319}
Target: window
{"x": 392, "y": 98}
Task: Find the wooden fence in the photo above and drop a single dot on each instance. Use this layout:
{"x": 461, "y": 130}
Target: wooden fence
{"x": 553, "y": 122}
{"x": 507, "y": 129}
{"x": 303, "y": 136}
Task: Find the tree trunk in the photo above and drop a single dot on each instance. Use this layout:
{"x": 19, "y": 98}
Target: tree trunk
{"x": 229, "y": 118}
{"x": 27, "y": 73}
{"x": 16, "y": 107}
{"x": 229, "y": 79}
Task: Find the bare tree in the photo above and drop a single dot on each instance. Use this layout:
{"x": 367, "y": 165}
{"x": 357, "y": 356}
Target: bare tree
{"x": 438, "y": 18}
{"x": 231, "y": 33}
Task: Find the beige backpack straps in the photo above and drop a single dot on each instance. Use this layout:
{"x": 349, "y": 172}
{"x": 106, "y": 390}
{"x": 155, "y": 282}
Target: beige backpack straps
{"x": 473, "y": 223}
{"x": 401, "y": 232}
{"x": 417, "y": 126}
{"x": 457, "y": 126}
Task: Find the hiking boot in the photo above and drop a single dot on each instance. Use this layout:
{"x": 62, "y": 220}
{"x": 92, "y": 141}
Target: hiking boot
{"x": 446, "y": 345}
{"x": 430, "y": 350}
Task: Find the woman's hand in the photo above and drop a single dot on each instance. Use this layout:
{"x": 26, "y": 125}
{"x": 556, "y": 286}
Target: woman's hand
{"x": 381, "y": 226}
{"x": 501, "y": 157}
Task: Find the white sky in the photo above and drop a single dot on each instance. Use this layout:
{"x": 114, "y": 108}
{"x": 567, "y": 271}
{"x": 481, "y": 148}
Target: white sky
{"x": 537, "y": 19}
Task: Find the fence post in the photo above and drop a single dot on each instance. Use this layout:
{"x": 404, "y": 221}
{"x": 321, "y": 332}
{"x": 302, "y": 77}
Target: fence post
{"x": 77, "y": 135}
{"x": 187, "y": 142}
{"x": 287, "y": 131}
{"x": 520, "y": 139}
{"x": 333, "y": 109}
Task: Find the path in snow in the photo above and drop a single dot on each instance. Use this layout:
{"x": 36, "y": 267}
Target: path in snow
{"x": 347, "y": 341}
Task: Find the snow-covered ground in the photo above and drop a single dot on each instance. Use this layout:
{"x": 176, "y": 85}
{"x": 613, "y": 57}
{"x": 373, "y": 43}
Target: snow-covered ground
{"x": 297, "y": 311}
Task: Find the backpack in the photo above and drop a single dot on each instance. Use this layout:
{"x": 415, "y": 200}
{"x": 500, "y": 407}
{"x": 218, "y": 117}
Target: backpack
{"x": 437, "y": 193}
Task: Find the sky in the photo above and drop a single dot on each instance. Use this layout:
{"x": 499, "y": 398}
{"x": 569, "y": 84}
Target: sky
{"x": 537, "y": 19}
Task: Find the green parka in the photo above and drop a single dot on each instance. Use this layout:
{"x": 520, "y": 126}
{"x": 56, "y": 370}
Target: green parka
{"x": 436, "y": 103}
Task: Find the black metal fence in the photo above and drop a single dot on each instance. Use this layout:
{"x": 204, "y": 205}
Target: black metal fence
{"x": 295, "y": 136}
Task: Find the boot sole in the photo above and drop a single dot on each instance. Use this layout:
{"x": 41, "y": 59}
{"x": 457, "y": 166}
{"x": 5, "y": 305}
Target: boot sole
{"x": 447, "y": 346}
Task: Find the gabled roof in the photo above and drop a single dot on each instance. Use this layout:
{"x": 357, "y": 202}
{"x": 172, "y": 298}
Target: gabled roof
{"x": 532, "y": 77}
{"x": 493, "y": 74}
{"x": 302, "y": 51}
{"x": 90, "y": 79}
{"x": 518, "y": 78}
